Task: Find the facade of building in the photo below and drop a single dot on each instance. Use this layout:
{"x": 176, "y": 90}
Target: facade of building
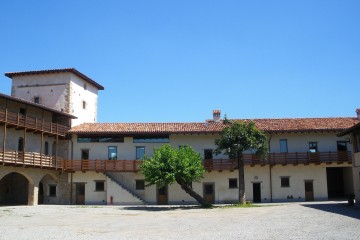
{"x": 53, "y": 151}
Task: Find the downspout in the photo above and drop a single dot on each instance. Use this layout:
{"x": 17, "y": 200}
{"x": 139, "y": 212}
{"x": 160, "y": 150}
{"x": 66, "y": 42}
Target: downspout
{"x": 270, "y": 171}
{"x": 71, "y": 174}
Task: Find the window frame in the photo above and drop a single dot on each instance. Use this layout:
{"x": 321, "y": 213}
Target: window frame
{"x": 116, "y": 153}
{"x": 206, "y": 152}
{"x": 137, "y": 157}
{"x": 52, "y": 188}
{"x": 231, "y": 182}
{"x": 36, "y": 99}
{"x": 139, "y": 184}
{"x": 101, "y": 189}
{"x": 281, "y": 150}
{"x": 284, "y": 181}
{"x": 311, "y": 147}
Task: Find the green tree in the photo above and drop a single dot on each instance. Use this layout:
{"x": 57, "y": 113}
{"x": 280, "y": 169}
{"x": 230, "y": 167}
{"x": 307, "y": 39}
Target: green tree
{"x": 236, "y": 138}
{"x": 169, "y": 165}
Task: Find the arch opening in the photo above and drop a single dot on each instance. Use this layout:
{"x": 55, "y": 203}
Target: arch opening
{"x": 14, "y": 189}
{"x": 47, "y": 193}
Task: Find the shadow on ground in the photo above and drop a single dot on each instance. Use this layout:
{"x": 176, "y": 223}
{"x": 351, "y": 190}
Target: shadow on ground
{"x": 337, "y": 208}
{"x": 160, "y": 208}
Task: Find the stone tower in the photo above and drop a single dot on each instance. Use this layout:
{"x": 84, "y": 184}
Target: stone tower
{"x": 66, "y": 90}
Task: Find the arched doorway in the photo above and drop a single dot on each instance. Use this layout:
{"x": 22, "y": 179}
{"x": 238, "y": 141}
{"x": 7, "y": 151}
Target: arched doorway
{"x": 48, "y": 192}
{"x": 14, "y": 189}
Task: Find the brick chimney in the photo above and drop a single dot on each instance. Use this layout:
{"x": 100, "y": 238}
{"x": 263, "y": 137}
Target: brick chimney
{"x": 216, "y": 115}
{"x": 358, "y": 113}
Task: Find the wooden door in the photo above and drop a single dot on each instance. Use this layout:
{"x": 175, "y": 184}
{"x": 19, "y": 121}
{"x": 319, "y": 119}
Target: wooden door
{"x": 209, "y": 193}
{"x": 162, "y": 195}
{"x": 256, "y": 192}
{"x": 80, "y": 193}
{"x": 309, "y": 191}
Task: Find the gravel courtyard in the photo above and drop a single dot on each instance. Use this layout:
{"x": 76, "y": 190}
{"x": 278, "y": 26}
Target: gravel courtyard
{"x": 319, "y": 220}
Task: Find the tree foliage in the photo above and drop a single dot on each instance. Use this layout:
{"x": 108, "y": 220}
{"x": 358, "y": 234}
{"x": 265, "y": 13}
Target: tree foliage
{"x": 169, "y": 165}
{"x": 236, "y": 138}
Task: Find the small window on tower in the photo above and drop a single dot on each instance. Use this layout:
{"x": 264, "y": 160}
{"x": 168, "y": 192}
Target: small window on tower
{"x": 85, "y": 86}
{"x": 37, "y": 100}
{"x": 84, "y": 104}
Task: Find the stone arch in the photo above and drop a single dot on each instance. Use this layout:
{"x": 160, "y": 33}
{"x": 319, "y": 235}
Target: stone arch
{"x": 15, "y": 189}
{"x": 48, "y": 189}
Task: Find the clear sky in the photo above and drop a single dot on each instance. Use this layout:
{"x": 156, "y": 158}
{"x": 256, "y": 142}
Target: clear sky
{"x": 176, "y": 61}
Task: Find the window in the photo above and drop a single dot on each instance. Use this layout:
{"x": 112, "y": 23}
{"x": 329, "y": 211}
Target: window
{"x": 151, "y": 139}
{"x": 21, "y": 145}
{"x": 139, "y": 184}
{"x": 101, "y": 138}
{"x": 208, "y": 154}
{"x": 313, "y": 147}
{"x": 84, "y": 105}
{"x": 85, "y": 86}
{"x": 285, "y": 181}
{"x": 53, "y": 150}
{"x": 84, "y": 154}
{"x": 22, "y": 111}
{"x": 37, "y": 100}
{"x": 140, "y": 153}
{"x": 52, "y": 190}
{"x": 233, "y": 183}
{"x": 46, "y": 149}
{"x": 112, "y": 153}
{"x": 283, "y": 146}
{"x": 99, "y": 186}
{"x": 342, "y": 146}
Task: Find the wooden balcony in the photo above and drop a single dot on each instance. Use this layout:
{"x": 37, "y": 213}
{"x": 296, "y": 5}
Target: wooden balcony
{"x": 31, "y": 159}
{"x": 101, "y": 165}
{"x": 31, "y": 123}
{"x": 214, "y": 164}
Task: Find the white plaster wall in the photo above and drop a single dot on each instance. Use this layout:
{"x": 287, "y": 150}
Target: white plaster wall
{"x": 78, "y": 94}
{"x": 127, "y": 149}
{"x": 89, "y": 178}
{"x": 299, "y": 142}
{"x": 52, "y": 88}
{"x": 298, "y": 174}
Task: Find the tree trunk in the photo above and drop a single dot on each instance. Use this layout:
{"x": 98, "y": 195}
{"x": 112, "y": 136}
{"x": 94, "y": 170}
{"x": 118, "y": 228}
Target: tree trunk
{"x": 242, "y": 197}
{"x": 192, "y": 193}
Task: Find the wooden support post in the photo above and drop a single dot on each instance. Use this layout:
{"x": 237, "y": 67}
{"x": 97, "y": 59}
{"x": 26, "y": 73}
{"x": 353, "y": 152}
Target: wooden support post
{"x": 41, "y": 147}
{"x": 4, "y": 139}
{"x": 24, "y": 146}
{"x": 57, "y": 146}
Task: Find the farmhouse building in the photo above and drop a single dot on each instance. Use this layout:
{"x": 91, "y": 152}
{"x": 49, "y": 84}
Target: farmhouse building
{"x": 53, "y": 151}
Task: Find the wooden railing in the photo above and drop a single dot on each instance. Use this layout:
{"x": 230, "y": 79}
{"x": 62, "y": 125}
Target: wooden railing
{"x": 102, "y": 165}
{"x": 32, "y": 123}
{"x": 213, "y": 164}
{"x": 31, "y": 159}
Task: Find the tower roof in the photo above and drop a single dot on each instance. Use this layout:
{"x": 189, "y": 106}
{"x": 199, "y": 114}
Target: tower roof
{"x": 51, "y": 71}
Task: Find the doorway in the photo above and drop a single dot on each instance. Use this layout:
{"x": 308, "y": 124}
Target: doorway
{"x": 256, "y": 192}
{"x": 14, "y": 189}
{"x": 309, "y": 191}
{"x": 162, "y": 195}
{"x": 80, "y": 193}
{"x": 209, "y": 193}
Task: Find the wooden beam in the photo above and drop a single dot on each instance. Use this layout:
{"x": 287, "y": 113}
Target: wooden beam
{"x": 4, "y": 139}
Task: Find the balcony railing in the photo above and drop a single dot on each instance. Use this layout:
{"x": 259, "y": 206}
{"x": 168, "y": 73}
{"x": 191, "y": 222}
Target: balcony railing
{"x": 32, "y": 123}
{"x": 34, "y": 159}
{"x": 214, "y": 164}
{"x": 31, "y": 159}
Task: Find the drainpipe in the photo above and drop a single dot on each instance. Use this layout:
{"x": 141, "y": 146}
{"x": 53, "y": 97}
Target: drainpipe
{"x": 270, "y": 171}
{"x": 71, "y": 174}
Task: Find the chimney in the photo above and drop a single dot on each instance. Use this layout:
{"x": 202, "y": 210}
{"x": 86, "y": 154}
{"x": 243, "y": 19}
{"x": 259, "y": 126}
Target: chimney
{"x": 358, "y": 113}
{"x": 217, "y": 115}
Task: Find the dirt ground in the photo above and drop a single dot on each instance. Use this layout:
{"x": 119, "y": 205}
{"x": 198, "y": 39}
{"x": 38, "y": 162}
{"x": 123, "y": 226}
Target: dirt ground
{"x": 320, "y": 220}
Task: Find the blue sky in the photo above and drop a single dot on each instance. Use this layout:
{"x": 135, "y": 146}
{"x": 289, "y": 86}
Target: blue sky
{"x": 176, "y": 61}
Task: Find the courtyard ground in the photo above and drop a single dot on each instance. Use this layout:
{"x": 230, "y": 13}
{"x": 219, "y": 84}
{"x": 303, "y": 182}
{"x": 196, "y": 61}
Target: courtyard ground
{"x": 317, "y": 220}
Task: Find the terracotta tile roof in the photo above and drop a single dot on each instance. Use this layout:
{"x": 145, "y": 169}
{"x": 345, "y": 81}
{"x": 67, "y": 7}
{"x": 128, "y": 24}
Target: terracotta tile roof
{"x": 268, "y": 125}
{"x": 62, "y": 70}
